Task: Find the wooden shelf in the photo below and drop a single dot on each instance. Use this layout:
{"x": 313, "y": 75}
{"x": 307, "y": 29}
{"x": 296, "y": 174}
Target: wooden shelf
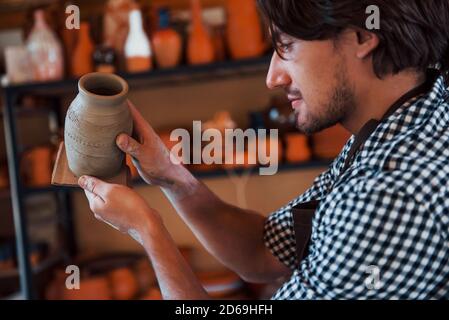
{"x": 205, "y": 175}
{"x": 39, "y": 268}
{"x": 158, "y": 77}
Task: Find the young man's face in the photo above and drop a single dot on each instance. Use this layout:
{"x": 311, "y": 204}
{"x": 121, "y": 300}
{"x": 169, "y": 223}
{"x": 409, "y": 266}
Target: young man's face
{"x": 314, "y": 75}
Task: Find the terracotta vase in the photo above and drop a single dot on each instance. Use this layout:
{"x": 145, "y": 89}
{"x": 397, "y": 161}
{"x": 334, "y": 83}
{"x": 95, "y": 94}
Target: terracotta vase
{"x": 328, "y": 143}
{"x": 123, "y": 284}
{"x": 82, "y": 62}
{"x": 167, "y": 42}
{"x": 45, "y": 51}
{"x": 93, "y": 288}
{"x": 115, "y": 26}
{"x": 138, "y": 52}
{"x": 95, "y": 118}
{"x": 36, "y": 165}
{"x": 244, "y": 29}
{"x": 297, "y": 148}
{"x": 200, "y": 47}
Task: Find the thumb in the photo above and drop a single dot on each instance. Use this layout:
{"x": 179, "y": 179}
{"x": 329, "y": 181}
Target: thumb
{"x": 129, "y": 145}
{"x": 93, "y": 185}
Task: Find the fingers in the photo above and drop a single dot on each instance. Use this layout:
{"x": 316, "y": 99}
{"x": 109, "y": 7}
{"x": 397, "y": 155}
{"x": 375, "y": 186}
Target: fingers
{"x": 129, "y": 145}
{"x": 95, "y": 186}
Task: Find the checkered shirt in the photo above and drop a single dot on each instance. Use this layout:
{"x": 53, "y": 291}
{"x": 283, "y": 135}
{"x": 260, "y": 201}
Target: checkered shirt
{"x": 381, "y": 229}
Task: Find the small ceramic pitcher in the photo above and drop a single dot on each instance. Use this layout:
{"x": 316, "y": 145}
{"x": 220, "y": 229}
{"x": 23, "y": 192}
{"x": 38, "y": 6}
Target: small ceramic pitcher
{"x": 95, "y": 118}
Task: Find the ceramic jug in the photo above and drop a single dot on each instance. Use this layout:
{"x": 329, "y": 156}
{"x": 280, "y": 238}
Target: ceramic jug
{"x": 45, "y": 50}
{"x": 167, "y": 42}
{"x": 244, "y": 29}
{"x": 95, "y": 118}
{"x": 82, "y": 62}
{"x": 200, "y": 47}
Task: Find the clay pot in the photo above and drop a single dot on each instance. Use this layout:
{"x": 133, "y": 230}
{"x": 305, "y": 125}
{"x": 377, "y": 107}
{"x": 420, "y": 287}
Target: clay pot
{"x": 200, "y": 47}
{"x": 95, "y": 118}
{"x": 244, "y": 29}
{"x": 123, "y": 284}
{"x": 82, "y": 62}
{"x": 36, "y": 166}
{"x": 328, "y": 143}
{"x": 45, "y": 50}
{"x": 167, "y": 43}
{"x": 153, "y": 294}
{"x": 94, "y": 288}
{"x": 297, "y": 148}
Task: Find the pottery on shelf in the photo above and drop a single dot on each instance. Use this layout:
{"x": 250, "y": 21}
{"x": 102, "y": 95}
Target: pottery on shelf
{"x": 115, "y": 26}
{"x": 95, "y": 118}
{"x": 45, "y": 50}
{"x": 137, "y": 46}
{"x": 82, "y": 62}
{"x": 167, "y": 42}
{"x": 244, "y": 29}
{"x": 200, "y": 47}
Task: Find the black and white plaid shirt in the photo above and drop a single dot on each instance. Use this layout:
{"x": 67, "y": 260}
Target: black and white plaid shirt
{"x": 381, "y": 230}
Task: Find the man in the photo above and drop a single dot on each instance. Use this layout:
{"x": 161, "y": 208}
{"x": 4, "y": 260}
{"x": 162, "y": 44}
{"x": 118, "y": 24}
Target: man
{"x": 379, "y": 215}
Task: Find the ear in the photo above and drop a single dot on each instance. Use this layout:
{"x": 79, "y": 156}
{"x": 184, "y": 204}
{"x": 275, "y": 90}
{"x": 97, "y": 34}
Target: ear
{"x": 367, "y": 43}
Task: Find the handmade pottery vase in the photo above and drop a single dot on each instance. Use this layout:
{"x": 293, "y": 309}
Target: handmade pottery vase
{"x": 45, "y": 50}
{"x": 82, "y": 62}
{"x": 200, "y": 47}
{"x": 167, "y": 42}
{"x": 244, "y": 29}
{"x": 95, "y": 118}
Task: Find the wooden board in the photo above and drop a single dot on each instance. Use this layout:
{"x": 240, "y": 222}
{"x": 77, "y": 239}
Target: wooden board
{"x": 63, "y": 176}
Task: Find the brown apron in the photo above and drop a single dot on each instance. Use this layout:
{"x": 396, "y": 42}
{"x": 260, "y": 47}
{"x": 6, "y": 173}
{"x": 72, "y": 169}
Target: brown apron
{"x": 303, "y": 213}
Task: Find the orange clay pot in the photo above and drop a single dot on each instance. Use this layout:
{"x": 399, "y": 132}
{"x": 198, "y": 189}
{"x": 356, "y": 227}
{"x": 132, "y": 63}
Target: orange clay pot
{"x": 82, "y": 54}
{"x": 328, "y": 143}
{"x": 200, "y": 47}
{"x": 153, "y": 294}
{"x": 297, "y": 148}
{"x": 244, "y": 29}
{"x": 94, "y": 288}
{"x": 167, "y": 43}
{"x": 36, "y": 165}
{"x": 123, "y": 284}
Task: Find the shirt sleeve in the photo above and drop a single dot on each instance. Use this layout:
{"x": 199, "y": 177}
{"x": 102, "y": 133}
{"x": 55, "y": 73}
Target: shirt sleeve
{"x": 373, "y": 241}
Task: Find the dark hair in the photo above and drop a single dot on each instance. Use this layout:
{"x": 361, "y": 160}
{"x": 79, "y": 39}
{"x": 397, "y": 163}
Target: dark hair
{"x": 413, "y": 34}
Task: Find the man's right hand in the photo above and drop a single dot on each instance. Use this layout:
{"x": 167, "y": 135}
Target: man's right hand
{"x": 150, "y": 156}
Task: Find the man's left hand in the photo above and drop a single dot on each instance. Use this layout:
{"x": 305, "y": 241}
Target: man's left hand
{"x": 118, "y": 206}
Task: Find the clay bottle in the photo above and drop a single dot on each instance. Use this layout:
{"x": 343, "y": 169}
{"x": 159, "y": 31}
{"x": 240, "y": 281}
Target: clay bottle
{"x": 200, "y": 47}
{"x": 45, "y": 50}
{"x": 167, "y": 42}
{"x": 95, "y": 118}
{"x": 137, "y": 46}
{"x": 82, "y": 55}
{"x": 244, "y": 30}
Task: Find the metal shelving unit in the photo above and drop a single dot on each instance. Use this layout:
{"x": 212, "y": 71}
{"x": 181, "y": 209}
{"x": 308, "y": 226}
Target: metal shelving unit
{"x": 19, "y": 192}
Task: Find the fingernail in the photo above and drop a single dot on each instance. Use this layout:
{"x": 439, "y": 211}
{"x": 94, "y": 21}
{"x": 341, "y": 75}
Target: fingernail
{"x": 82, "y": 181}
{"x": 122, "y": 141}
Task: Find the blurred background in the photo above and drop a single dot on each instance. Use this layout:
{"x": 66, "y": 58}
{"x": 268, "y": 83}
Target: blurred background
{"x": 184, "y": 60}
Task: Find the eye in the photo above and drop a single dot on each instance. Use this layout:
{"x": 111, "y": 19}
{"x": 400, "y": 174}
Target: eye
{"x": 285, "y": 47}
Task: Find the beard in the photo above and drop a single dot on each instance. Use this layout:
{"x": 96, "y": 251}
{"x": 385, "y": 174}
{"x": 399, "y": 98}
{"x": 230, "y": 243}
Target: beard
{"x": 337, "y": 106}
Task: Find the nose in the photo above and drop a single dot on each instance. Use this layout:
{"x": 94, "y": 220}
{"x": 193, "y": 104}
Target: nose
{"x": 277, "y": 77}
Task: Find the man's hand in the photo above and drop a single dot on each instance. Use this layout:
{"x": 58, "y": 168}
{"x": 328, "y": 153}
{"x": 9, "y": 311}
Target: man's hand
{"x": 150, "y": 156}
{"x": 119, "y": 206}
{"x": 125, "y": 210}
